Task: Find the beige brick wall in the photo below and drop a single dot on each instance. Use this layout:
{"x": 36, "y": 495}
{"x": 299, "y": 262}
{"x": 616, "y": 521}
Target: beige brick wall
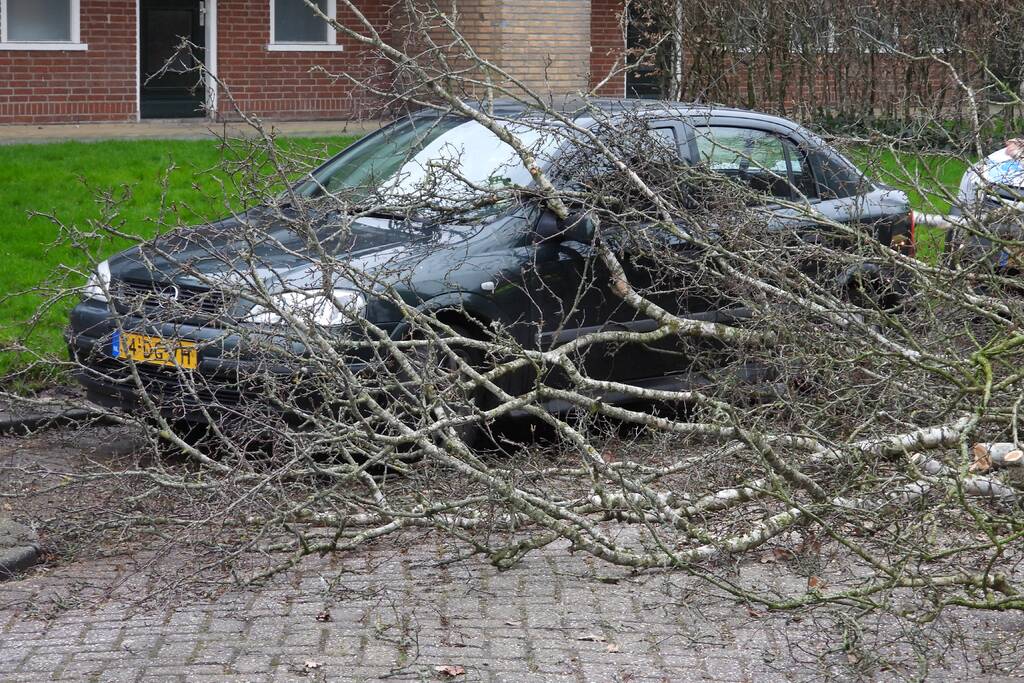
{"x": 481, "y": 25}
{"x": 546, "y": 43}
{"x": 543, "y": 43}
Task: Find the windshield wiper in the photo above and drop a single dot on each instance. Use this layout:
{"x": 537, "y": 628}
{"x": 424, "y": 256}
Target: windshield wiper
{"x": 405, "y": 219}
{"x": 383, "y": 213}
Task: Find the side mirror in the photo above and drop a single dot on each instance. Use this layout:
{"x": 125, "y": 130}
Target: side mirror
{"x": 548, "y": 226}
{"x": 577, "y": 227}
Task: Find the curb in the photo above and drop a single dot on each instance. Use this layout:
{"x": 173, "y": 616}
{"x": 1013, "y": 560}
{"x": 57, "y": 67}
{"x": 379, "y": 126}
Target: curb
{"x": 32, "y": 422}
{"x": 19, "y": 548}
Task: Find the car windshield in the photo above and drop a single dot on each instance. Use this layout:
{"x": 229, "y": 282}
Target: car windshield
{"x": 437, "y": 162}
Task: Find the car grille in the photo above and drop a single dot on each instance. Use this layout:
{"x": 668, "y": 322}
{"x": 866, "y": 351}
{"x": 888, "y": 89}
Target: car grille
{"x": 225, "y": 393}
{"x": 178, "y": 301}
{"x": 166, "y": 384}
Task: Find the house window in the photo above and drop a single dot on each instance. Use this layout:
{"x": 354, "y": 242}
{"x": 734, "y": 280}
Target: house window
{"x": 39, "y": 25}
{"x": 294, "y": 26}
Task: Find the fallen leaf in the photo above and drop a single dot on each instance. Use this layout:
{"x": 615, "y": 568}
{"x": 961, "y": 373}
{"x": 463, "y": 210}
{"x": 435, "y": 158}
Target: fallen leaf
{"x": 310, "y": 664}
{"x": 754, "y": 613}
{"x": 612, "y": 647}
{"x": 782, "y": 554}
{"x": 815, "y": 582}
{"x": 450, "y": 670}
{"x": 593, "y": 638}
{"x": 323, "y": 616}
{"x": 776, "y": 555}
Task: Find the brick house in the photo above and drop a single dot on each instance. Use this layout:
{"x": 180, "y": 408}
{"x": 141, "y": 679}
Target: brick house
{"x": 69, "y": 61}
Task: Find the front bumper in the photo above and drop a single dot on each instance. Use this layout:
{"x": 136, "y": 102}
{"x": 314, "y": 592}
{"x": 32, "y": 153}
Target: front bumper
{"x": 231, "y": 378}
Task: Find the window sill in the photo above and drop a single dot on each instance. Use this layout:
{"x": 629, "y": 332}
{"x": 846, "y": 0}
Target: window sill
{"x": 65, "y": 47}
{"x": 304, "y": 47}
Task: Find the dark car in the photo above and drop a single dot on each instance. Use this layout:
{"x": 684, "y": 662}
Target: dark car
{"x": 515, "y": 267}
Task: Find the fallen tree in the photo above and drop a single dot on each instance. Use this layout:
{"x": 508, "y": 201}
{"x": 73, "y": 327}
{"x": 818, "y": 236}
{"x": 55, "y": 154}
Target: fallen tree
{"x": 797, "y": 400}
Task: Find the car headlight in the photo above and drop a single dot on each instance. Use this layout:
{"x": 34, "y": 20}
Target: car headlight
{"x": 98, "y": 284}
{"x": 340, "y": 307}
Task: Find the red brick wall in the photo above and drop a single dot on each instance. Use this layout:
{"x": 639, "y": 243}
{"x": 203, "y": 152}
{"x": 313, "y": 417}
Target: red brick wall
{"x": 852, "y": 84}
{"x": 100, "y": 84}
{"x": 43, "y": 86}
{"x": 280, "y": 85}
{"x": 607, "y": 45}
{"x": 69, "y": 86}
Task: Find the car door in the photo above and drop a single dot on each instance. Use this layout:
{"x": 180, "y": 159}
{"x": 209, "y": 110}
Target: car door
{"x": 808, "y": 185}
{"x": 669, "y": 270}
{"x": 576, "y": 288}
{"x": 570, "y": 288}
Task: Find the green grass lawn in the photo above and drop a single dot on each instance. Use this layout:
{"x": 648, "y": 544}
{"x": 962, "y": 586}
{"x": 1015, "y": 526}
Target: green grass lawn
{"x": 76, "y": 182}
{"x": 930, "y": 180}
{"x": 192, "y": 181}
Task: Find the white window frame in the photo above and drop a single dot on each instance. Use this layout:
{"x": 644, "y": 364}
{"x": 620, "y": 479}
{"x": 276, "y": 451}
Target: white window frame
{"x": 330, "y": 45}
{"x": 74, "y": 44}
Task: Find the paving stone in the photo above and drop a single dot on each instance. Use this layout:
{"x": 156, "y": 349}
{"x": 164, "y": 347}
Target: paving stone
{"x": 10, "y": 661}
{"x": 400, "y": 613}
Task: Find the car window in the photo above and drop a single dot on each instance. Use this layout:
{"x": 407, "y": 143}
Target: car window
{"x": 723, "y": 149}
{"x": 452, "y": 159}
{"x": 644, "y": 150}
{"x": 666, "y": 136}
{"x": 755, "y": 157}
{"x": 379, "y": 157}
{"x": 836, "y": 178}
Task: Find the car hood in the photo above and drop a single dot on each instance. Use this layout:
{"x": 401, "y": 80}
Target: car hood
{"x": 258, "y": 246}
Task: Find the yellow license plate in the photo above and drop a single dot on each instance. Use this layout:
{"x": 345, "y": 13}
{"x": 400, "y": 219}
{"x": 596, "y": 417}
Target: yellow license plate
{"x": 143, "y": 349}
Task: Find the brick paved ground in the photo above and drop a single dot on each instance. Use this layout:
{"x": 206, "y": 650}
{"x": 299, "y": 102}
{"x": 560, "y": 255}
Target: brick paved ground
{"x": 400, "y": 612}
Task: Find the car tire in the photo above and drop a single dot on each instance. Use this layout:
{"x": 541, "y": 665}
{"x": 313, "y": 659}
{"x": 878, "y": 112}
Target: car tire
{"x": 473, "y": 433}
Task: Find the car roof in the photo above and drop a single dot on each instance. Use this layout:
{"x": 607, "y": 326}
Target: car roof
{"x": 581, "y": 109}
